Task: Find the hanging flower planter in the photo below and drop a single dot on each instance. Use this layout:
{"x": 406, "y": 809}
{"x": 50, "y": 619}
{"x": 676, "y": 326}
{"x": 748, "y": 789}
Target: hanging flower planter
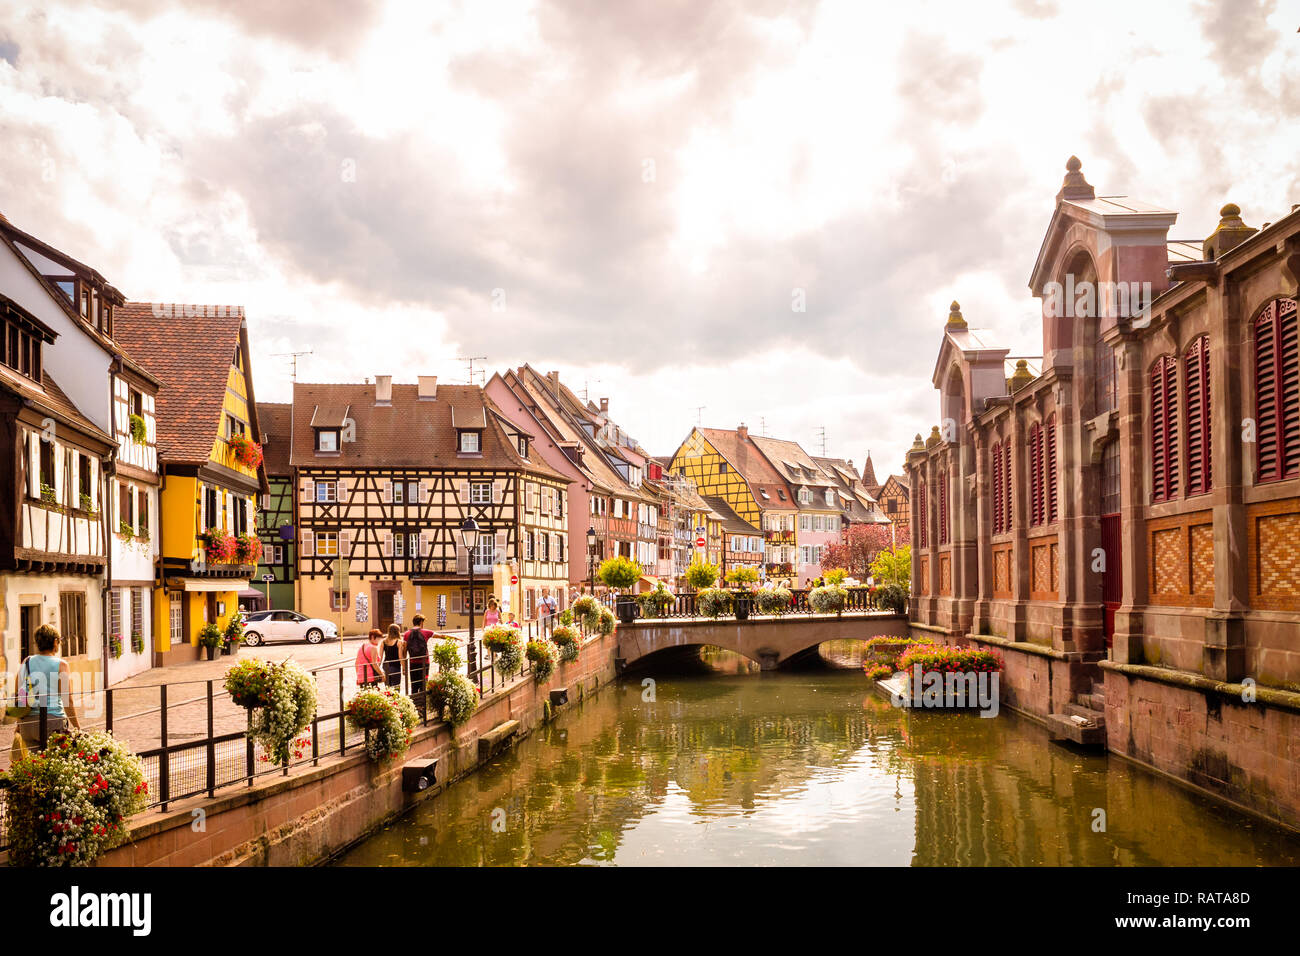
{"x": 246, "y": 451}
{"x": 389, "y": 719}
{"x": 507, "y": 647}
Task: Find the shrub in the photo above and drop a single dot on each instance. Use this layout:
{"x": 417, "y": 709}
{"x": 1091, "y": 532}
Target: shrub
{"x": 835, "y": 576}
{"x": 892, "y": 597}
{"x": 878, "y": 671}
{"x": 713, "y": 602}
{"x": 886, "y": 650}
{"x": 290, "y": 705}
{"x": 446, "y": 654}
{"x": 773, "y": 600}
{"x": 453, "y": 695}
{"x": 542, "y": 655}
{"x": 701, "y": 574}
{"x": 566, "y": 616}
{"x": 507, "y": 647}
{"x": 829, "y": 599}
{"x": 607, "y": 621}
{"x": 566, "y": 639}
{"x": 619, "y": 573}
{"x": 739, "y": 576}
{"x": 391, "y": 716}
{"x": 587, "y": 610}
{"x": 234, "y": 629}
{"x": 139, "y": 433}
{"x": 69, "y": 803}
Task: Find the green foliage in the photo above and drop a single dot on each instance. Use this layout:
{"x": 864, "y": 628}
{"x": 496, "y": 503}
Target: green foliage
{"x": 139, "y": 433}
{"x": 607, "y": 621}
{"x": 701, "y": 574}
{"x": 713, "y": 602}
{"x": 655, "y": 603}
{"x": 619, "y": 573}
{"x": 835, "y": 576}
{"x": 507, "y": 646}
{"x": 446, "y": 654}
{"x": 453, "y": 696}
{"x": 210, "y": 636}
{"x": 542, "y": 655}
{"x": 892, "y": 597}
{"x": 893, "y": 566}
{"x": 587, "y": 611}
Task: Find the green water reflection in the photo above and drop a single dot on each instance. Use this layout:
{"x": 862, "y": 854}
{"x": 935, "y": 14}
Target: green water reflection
{"x": 808, "y": 768}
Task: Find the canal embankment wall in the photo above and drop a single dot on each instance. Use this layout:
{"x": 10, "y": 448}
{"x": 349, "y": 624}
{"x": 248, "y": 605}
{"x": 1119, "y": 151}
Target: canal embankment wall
{"x": 312, "y": 814}
{"x": 1234, "y": 742}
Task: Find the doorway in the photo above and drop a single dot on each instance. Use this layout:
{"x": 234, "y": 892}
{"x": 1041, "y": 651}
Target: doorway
{"x": 29, "y": 619}
{"x": 384, "y": 609}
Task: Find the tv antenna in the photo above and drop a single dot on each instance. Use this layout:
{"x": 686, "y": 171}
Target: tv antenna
{"x": 586, "y": 389}
{"x": 821, "y": 437}
{"x": 762, "y": 426}
{"x": 469, "y": 362}
{"x": 292, "y": 356}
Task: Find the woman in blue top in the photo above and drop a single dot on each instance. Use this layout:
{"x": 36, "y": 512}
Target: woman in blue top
{"x": 44, "y": 680}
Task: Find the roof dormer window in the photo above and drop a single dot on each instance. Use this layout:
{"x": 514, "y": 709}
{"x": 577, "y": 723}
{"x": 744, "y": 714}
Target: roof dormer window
{"x": 523, "y": 447}
{"x": 327, "y": 441}
{"x": 469, "y": 442}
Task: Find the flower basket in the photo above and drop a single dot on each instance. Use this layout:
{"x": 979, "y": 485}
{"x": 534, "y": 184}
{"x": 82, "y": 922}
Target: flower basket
{"x": 115, "y": 645}
{"x": 249, "y": 683}
{"x": 219, "y": 547}
{"x": 454, "y": 697}
{"x": 248, "y": 549}
{"x": 70, "y": 802}
{"x": 587, "y": 611}
{"x": 606, "y": 623}
{"x": 507, "y": 648}
{"x": 830, "y": 599}
{"x": 542, "y": 655}
{"x": 389, "y": 718}
{"x": 713, "y": 602}
{"x": 566, "y": 639}
{"x": 137, "y": 643}
{"x": 773, "y": 600}
{"x": 139, "y": 433}
{"x": 246, "y": 451}
{"x": 288, "y": 710}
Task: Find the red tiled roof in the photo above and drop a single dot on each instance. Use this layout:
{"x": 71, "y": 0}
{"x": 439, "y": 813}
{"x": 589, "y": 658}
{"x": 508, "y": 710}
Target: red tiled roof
{"x": 189, "y": 351}
{"x": 273, "y": 419}
{"x": 408, "y": 432}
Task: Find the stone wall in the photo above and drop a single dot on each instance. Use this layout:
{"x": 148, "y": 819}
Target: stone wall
{"x": 316, "y": 812}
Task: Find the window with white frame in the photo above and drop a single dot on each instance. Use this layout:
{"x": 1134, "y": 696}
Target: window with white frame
{"x": 326, "y": 491}
{"x": 327, "y": 544}
{"x": 484, "y": 551}
{"x": 175, "y": 626}
{"x": 480, "y": 492}
{"x": 470, "y": 443}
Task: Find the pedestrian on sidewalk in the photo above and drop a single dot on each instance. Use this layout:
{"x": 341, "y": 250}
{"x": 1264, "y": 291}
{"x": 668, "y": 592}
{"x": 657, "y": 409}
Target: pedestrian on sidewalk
{"x": 493, "y": 613}
{"x": 417, "y": 653}
{"x": 44, "y": 680}
{"x": 394, "y": 657}
{"x": 370, "y": 670}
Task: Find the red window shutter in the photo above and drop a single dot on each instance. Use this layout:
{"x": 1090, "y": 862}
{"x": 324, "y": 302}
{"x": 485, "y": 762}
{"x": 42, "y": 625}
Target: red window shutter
{"x": 924, "y": 517}
{"x": 997, "y": 487}
{"x": 1036, "y": 474}
{"x": 943, "y": 509}
{"x": 1006, "y": 478}
{"x": 1049, "y": 469}
{"x": 1196, "y": 405}
{"x": 1159, "y": 432}
{"x": 1289, "y": 388}
{"x": 1266, "y": 403}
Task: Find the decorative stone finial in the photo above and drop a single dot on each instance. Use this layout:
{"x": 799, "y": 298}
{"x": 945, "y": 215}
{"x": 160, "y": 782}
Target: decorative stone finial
{"x": 934, "y": 438}
{"x": 1021, "y": 376}
{"x": 955, "y": 321}
{"x": 1229, "y": 233}
{"x": 1075, "y": 186}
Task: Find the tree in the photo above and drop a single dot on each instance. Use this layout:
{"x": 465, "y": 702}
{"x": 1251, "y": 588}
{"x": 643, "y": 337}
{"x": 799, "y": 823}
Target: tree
{"x": 619, "y": 573}
{"x": 893, "y": 566}
{"x": 861, "y": 544}
{"x": 701, "y": 574}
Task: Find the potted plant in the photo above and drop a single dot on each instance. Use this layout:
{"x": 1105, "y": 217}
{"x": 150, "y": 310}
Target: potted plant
{"x": 137, "y": 643}
{"x": 210, "y": 638}
{"x": 775, "y": 600}
{"x": 700, "y": 574}
{"x": 139, "y": 433}
{"x": 115, "y": 645}
{"x": 389, "y": 719}
{"x": 454, "y": 697}
{"x": 248, "y": 549}
{"x": 88, "y": 506}
{"x": 655, "y": 603}
{"x": 828, "y": 599}
{"x": 234, "y": 633}
{"x": 586, "y": 610}
{"x": 621, "y": 574}
{"x": 288, "y": 711}
{"x": 605, "y": 625}
{"x": 743, "y": 581}
{"x": 125, "y": 531}
{"x": 218, "y": 546}
{"x": 47, "y": 494}
{"x": 713, "y": 602}
{"x": 249, "y": 683}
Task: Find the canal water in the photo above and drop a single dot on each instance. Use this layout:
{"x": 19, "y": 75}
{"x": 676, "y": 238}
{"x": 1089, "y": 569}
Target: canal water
{"x": 726, "y": 766}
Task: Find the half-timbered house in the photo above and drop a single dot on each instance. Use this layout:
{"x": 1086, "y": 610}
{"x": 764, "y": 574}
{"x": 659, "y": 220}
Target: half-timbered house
{"x": 209, "y": 460}
{"x": 275, "y": 517}
{"x": 385, "y": 476}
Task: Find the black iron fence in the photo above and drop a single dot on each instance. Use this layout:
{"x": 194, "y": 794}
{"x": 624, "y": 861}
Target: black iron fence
{"x": 685, "y": 605}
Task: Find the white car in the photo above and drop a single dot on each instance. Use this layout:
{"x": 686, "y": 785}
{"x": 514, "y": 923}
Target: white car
{"x": 264, "y": 626}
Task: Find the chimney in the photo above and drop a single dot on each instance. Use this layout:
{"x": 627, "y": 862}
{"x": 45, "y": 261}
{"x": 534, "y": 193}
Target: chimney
{"x": 383, "y": 389}
{"x": 554, "y": 377}
{"x": 742, "y": 431}
{"x": 427, "y": 389}
{"x": 604, "y": 406}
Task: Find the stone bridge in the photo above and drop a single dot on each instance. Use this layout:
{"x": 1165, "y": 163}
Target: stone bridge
{"x": 770, "y": 641}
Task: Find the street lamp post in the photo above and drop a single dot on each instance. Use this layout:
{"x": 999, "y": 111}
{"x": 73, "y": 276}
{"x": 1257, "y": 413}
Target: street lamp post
{"x": 469, "y": 540}
{"x": 591, "y": 559}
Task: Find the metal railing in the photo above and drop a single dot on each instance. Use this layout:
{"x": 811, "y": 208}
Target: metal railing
{"x": 684, "y": 605}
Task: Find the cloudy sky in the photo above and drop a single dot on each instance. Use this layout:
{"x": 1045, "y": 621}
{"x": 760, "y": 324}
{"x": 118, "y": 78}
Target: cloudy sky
{"x": 637, "y": 193}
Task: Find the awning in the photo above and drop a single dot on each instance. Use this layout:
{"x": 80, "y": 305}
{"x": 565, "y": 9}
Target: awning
{"x": 252, "y": 593}
{"x": 215, "y": 584}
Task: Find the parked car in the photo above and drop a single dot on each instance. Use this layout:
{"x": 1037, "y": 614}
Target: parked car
{"x": 262, "y": 627}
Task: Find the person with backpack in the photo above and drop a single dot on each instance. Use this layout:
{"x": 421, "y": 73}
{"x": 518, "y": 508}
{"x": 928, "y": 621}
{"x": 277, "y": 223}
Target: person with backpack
{"x": 44, "y": 681}
{"x": 417, "y": 653}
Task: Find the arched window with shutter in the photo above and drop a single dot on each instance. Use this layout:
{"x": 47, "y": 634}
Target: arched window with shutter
{"x": 1164, "y": 429}
{"x": 943, "y": 507}
{"x": 923, "y": 514}
{"x": 1277, "y": 393}
{"x": 1006, "y": 478}
{"x": 995, "y": 458}
{"x": 1196, "y": 412}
